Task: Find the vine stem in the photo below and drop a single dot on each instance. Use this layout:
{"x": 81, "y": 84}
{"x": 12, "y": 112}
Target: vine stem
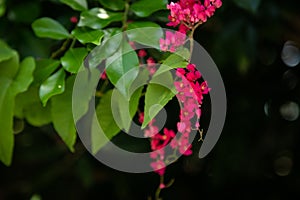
{"x": 125, "y": 17}
{"x": 158, "y": 190}
{"x": 191, "y": 38}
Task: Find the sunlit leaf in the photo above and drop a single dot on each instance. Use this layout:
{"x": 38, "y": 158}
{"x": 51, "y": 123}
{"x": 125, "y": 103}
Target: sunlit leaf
{"x": 49, "y": 28}
{"x": 174, "y": 61}
{"x": 73, "y": 59}
{"x": 159, "y": 92}
{"x": 87, "y": 35}
{"x": 122, "y": 67}
{"x": 54, "y": 85}
{"x": 98, "y": 18}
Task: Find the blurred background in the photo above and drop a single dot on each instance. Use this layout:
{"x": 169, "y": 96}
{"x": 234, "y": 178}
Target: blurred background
{"x": 255, "y": 45}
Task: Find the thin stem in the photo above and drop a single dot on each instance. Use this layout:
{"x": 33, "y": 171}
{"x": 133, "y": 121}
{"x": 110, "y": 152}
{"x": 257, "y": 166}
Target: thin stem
{"x": 61, "y": 49}
{"x": 125, "y": 17}
{"x": 191, "y": 38}
{"x": 157, "y": 193}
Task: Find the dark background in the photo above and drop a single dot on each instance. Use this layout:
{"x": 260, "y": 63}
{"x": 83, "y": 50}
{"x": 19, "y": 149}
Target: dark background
{"x": 257, "y": 155}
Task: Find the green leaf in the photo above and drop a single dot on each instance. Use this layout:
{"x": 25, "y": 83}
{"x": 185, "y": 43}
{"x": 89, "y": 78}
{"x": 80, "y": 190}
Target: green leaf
{"x": 109, "y": 46}
{"x": 159, "y": 92}
{"x": 174, "y": 61}
{"x": 98, "y": 18}
{"x": 83, "y": 91}
{"x": 24, "y": 76}
{"x": 144, "y": 8}
{"x": 250, "y": 5}
{"x": 44, "y": 68}
{"x": 6, "y": 121}
{"x": 124, "y": 109}
{"x": 6, "y": 53}
{"x": 79, "y": 5}
{"x": 87, "y": 35}
{"x": 9, "y": 89}
{"x": 54, "y": 85}
{"x": 49, "y": 28}
{"x": 61, "y": 112}
{"x": 9, "y": 61}
{"x": 122, "y": 67}
{"x": 28, "y": 105}
{"x": 115, "y": 5}
{"x": 146, "y": 33}
{"x": 73, "y": 59}
{"x": 108, "y": 127}
{"x": 2, "y": 7}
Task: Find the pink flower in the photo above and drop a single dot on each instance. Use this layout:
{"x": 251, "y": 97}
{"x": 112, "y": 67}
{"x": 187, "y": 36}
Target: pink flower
{"x": 74, "y": 19}
{"x": 184, "y": 146}
{"x": 191, "y": 67}
{"x": 172, "y": 41}
{"x": 160, "y": 154}
{"x": 204, "y": 87}
{"x": 150, "y": 62}
{"x": 158, "y": 141}
{"x": 142, "y": 53}
{"x": 162, "y": 186}
{"x": 103, "y": 75}
{"x": 180, "y": 72}
{"x": 181, "y": 126}
{"x": 159, "y": 167}
{"x": 191, "y": 12}
{"x": 141, "y": 117}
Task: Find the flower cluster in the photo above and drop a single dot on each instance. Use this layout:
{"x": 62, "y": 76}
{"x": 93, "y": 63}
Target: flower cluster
{"x": 172, "y": 41}
{"x": 151, "y": 63}
{"x": 191, "y": 12}
{"x": 190, "y": 94}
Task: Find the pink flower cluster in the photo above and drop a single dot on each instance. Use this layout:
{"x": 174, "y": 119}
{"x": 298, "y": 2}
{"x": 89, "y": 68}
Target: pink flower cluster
{"x": 172, "y": 41}
{"x": 191, "y": 12}
{"x": 151, "y": 64}
{"x": 158, "y": 141}
{"x": 190, "y": 94}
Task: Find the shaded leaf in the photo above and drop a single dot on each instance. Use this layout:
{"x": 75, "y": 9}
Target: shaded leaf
{"x": 115, "y": 5}
{"x": 250, "y": 5}
{"x": 28, "y": 106}
{"x": 24, "y": 76}
{"x": 79, "y": 5}
{"x": 44, "y": 68}
{"x": 9, "y": 61}
{"x": 61, "y": 112}
{"x": 144, "y": 8}
{"x": 6, "y": 121}
{"x": 108, "y": 127}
